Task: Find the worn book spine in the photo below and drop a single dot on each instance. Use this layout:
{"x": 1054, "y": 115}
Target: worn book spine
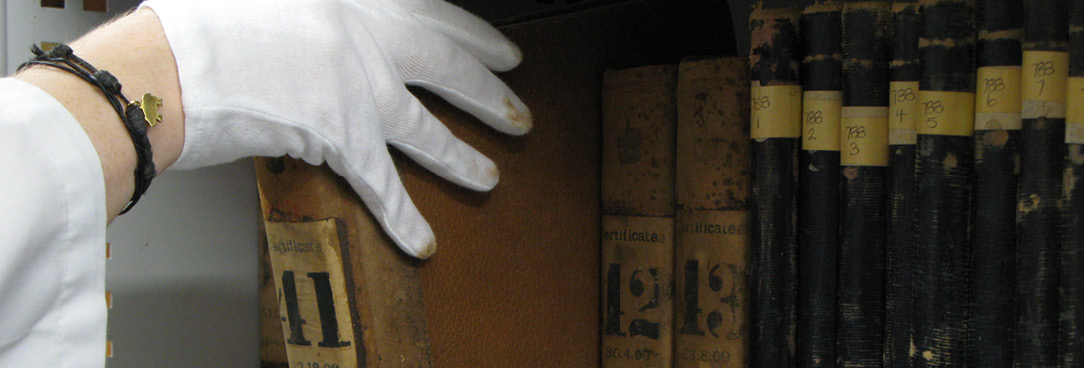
{"x": 899, "y": 249}
{"x": 1071, "y": 325}
{"x": 711, "y": 232}
{"x": 638, "y": 148}
{"x": 347, "y": 297}
{"x": 818, "y": 189}
{"x": 867, "y": 42}
{"x": 775, "y": 122}
{"x": 1044, "y": 74}
{"x": 943, "y": 167}
{"x": 993, "y": 224}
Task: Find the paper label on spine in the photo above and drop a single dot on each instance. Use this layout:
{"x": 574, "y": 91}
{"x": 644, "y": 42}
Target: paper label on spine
{"x": 1043, "y": 81}
{"x": 997, "y": 103}
{"x": 903, "y": 110}
{"x": 946, "y": 113}
{"x": 820, "y": 120}
{"x": 864, "y": 136}
{"x": 711, "y": 270}
{"x": 1074, "y": 115}
{"x": 637, "y": 294}
{"x": 315, "y": 311}
{"x": 776, "y": 111}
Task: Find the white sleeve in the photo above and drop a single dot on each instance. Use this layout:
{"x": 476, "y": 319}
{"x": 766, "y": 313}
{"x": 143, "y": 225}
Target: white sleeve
{"x": 52, "y": 235}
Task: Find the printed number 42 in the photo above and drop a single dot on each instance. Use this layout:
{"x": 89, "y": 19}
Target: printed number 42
{"x": 639, "y": 326}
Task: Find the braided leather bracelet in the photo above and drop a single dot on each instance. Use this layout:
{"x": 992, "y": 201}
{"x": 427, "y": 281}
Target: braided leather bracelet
{"x": 134, "y": 114}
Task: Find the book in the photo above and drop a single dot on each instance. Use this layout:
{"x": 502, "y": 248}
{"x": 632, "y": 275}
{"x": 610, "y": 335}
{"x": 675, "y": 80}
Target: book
{"x": 1043, "y": 81}
{"x": 996, "y": 146}
{"x": 818, "y": 184}
{"x": 899, "y": 249}
{"x": 637, "y": 245}
{"x": 943, "y": 177}
{"x": 347, "y": 296}
{"x": 864, "y": 146}
{"x": 1071, "y": 292}
{"x": 711, "y": 217}
{"x": 775, "y": 128}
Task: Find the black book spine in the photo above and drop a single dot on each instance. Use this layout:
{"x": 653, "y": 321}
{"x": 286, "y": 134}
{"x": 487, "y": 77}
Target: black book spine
{"x": 774, "y": 58}
{"x": 899, "y": 250}
{"x": 867, "y": 43}
{"x": 1071, "y": 327}
{"x": 943, "y": 169}
{"x": 818, "y": 216}
{"x": 1042, "y": 153}
{"x": 996, "y": 141}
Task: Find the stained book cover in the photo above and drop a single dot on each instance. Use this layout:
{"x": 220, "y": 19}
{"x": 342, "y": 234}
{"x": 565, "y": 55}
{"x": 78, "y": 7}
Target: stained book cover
{"x": 899, "y": 249}
{"x": 711, "y": 226}
{"x": 864, "y": 146}
{"x": 638, "y": 129}
{"x": 775, "y": 129}
{"x": 818, "y": 184}
{"x": 346, "y": 295}
{"x": 1071, "y": 321}
{"x": 943, "y": 162}
{"x": 1043, "y": 79}
{"x": 996, "y": 145}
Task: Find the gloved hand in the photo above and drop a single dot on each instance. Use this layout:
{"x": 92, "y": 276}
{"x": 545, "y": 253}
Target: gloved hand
{"x": 325, "y": 80}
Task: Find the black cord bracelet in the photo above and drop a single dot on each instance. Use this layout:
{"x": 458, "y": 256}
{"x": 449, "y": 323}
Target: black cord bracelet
{"x": 134, "y": 114}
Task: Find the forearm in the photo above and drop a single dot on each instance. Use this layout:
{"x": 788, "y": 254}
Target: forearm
{"x": 135, "y": 50}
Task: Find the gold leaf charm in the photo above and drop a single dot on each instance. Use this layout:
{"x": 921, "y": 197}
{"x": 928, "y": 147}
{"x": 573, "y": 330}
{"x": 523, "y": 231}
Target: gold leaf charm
{"x": 149, "y": 104}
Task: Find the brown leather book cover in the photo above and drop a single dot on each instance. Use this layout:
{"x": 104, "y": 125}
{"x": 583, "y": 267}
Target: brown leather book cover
{"x": 639, "y": 121}
{"x": 711, "y": 243}
{"x": 346, "y": 295}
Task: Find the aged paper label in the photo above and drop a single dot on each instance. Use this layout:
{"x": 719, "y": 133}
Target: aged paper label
{"x": 997, "y": 101}
{"x": 637, "y": 294}
{"x": 902, "y": 112}
{"x": 946, "y": 113}
{"x": 820, "y": 120}
{"x": 308, "y": 269}
{"x": 1074, "y": 115}
{"x": 776, "y": 111}
{"x": 1043, "y": 79}
{"x": 711, "y": 298}
{"x": 864, "y": 136}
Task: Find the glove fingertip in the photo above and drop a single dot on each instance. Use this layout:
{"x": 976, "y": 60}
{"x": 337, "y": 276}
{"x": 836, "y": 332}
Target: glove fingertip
{"x": 519, "y": 116}
{"x": 510, "y": 58}
{"x": 419, "y": 242}
{"x": 425, "y": 251}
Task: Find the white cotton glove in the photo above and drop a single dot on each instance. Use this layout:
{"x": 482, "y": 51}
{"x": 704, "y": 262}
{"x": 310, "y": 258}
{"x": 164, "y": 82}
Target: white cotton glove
{"x": 325, "y": 80}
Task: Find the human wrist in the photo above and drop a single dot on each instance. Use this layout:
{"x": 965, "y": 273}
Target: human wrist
{"x": 133, "y": 49}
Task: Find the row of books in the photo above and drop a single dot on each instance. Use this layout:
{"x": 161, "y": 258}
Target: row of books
{"x": 901, "y": 190}
{"x": 675, "y": 189}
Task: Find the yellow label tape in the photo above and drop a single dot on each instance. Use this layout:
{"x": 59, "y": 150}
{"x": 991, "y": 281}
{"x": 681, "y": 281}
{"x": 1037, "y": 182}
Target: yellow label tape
{"x": 997, "y": 101}
{"x": 864, "y": 136}
{"x": 903, "y": 110}
{"x": 946, "y": 113}
{"x": 306, "y": 262}
{"x": 776, "y": 111}
{"x": 1043, "y": 79}
{"x": 1074, "y": 113}
{"x": 820, "y": 120}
